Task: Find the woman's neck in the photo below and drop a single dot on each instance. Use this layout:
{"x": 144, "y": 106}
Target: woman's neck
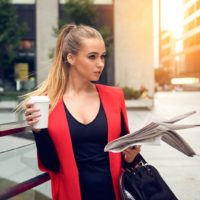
{"x": 76, "y": 87}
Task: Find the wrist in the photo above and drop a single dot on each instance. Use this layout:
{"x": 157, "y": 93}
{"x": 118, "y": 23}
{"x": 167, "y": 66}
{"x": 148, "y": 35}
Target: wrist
{"x": 36, "y": 130}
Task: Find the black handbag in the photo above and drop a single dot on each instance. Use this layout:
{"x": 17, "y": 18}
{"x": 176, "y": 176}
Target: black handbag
{"x": 142, "y": 181}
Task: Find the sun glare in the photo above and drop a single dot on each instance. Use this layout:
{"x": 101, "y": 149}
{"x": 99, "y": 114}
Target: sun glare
{"x": 185, "y": 81}
{"x": 172, "y": 16}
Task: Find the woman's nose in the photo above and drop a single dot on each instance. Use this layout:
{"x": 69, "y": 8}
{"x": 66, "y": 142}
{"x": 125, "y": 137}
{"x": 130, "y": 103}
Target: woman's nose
{"x": 100, "y": 62}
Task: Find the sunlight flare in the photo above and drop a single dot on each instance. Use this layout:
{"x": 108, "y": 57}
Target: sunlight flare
{"x": 172, "y": 16}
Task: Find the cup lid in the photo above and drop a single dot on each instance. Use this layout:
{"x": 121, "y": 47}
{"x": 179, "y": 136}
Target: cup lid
{"x": 39, "y": 98}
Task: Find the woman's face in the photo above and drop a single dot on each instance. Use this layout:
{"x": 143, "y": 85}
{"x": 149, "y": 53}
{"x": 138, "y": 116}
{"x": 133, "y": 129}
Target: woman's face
{"x": 89, "y": 62}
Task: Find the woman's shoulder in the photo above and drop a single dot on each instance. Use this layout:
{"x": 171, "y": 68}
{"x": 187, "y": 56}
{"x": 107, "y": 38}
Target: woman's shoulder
{"x": 110, "y": 89}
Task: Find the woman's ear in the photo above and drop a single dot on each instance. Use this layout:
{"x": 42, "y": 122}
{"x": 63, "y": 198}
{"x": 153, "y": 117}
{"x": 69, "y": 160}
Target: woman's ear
{"x": 70, "y": 58}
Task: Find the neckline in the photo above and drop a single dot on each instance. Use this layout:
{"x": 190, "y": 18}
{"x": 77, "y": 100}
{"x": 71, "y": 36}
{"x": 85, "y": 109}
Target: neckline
{"x": 81, "y": 123}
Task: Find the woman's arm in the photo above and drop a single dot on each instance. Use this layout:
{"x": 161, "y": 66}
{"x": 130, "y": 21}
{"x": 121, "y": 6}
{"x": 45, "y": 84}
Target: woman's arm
{"x": 130, "y": 154}
{"x": 46, "y": 150}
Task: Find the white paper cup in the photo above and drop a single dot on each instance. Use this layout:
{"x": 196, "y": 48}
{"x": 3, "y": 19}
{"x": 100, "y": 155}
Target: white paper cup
{"x": 41, "y": 102}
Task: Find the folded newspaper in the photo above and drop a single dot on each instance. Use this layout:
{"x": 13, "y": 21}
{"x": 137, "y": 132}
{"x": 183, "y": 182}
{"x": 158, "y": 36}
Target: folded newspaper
{"x": 153, "y": 133}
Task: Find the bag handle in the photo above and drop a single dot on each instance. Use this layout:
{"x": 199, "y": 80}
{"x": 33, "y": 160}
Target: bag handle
{"x": 138, "y": 161}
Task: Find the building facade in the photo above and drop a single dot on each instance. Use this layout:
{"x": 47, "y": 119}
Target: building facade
{"x": 179, "y": 53}
{"x": 191, "y": 38}
{"x": 133, "y": 36}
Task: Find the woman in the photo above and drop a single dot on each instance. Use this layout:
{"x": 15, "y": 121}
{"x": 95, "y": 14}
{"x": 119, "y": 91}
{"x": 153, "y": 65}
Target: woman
{"x": 83, "y": 118}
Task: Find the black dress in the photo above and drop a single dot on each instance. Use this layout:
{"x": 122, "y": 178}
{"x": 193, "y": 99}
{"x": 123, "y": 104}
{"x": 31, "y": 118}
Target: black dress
{"x": 88, "y": 145}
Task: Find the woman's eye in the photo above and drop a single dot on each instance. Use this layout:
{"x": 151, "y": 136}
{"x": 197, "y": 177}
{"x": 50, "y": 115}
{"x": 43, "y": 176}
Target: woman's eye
{"x": 92, "y": 57}
{"x": 103, "y": 57}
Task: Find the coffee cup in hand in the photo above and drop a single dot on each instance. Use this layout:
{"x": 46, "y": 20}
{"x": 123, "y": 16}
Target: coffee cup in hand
{"x": 42, "y": 103}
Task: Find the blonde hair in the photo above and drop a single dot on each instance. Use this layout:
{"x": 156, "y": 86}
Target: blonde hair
{"x": 69, "y": 41}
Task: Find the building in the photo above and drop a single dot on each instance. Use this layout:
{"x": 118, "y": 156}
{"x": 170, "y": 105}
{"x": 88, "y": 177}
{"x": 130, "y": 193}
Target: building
{"x": 133, "y": 42}
{"x": 191, "y": 38}
{"x": 179, "y": 60}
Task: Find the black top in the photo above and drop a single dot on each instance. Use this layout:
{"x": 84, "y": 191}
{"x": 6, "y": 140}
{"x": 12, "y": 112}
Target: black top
{"x": 93, "y": 163}
{"x": 88, "y": 145}
{"x": 89, "y": 140}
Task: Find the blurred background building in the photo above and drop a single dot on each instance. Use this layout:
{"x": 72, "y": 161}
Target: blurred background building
{"x": 179, "y": 44}
{"x": 133, "y": 42}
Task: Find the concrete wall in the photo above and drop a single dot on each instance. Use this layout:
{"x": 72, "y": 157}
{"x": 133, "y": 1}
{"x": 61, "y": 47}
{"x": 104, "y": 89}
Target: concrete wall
{"x": 46, "y": 20}
{"x": 133, "y": 38}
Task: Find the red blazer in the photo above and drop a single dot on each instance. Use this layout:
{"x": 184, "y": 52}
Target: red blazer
{"x": 65, "y": 183}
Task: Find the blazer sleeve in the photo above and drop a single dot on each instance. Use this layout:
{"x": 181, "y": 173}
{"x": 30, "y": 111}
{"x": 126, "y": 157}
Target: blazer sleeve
{"x": 125, "y": 130}
{"x": 46, "y": 151}
{"x": 124, "y": 117}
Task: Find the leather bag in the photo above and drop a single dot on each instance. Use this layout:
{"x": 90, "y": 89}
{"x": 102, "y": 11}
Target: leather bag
{"x": 142, "y": 181}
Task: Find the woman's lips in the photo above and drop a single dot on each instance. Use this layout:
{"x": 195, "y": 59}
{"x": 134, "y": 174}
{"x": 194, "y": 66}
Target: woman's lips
{"x": 99, "y": 72}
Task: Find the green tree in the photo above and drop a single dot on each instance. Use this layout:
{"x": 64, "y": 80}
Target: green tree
{"x": 10, "y": 35}
{"x": 84, "y": 12}
{"x": 79, "y": 12}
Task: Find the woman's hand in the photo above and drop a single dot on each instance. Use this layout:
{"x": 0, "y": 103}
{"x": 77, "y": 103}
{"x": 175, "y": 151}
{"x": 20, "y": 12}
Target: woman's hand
{"x": 131, "y": 152}
{"x": 32, "y": 115}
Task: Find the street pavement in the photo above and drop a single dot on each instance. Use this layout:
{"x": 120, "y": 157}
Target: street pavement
{"x": 181, "y": 173}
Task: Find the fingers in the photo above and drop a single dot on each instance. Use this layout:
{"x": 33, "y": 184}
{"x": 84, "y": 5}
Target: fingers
{"x": 131, "y": 153}
{"x": 31, "y": 114}
{"x": 32, "y": 117}
{"x": 30, "y": 111}
{"x": 136, "y": 148}
{"x": 29, "y": 105}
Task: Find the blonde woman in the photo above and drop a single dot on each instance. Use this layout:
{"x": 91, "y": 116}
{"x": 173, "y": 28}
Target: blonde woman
{"x": 83, "y": 117}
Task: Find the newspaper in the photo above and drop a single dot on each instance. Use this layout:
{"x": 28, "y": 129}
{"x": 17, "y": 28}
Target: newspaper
{"x": 153, "y": 133}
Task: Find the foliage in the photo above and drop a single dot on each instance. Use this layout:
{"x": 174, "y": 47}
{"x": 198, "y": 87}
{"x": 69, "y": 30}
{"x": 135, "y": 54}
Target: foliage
{"x": 162, "y": 76}
{"x": 130, "y": 93}
{"x": 10, "y": 35}
{"x": 80, "y": 12}
{"x": 84, "y": 12}
{"x": 10, "y": 95}
{"x": 105, "y": 32}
